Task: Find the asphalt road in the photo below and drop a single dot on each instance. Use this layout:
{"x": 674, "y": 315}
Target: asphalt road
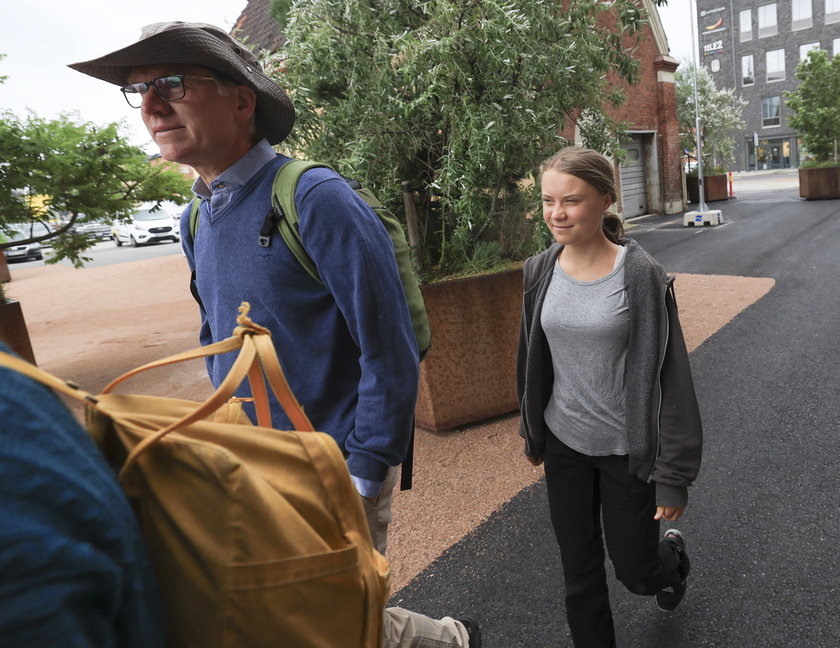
{"x": 106, "y": 252}
{"x": 763, "y": 523}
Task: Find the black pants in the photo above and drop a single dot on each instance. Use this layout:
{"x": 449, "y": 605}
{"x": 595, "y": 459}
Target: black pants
{"x": 580, "y": 488}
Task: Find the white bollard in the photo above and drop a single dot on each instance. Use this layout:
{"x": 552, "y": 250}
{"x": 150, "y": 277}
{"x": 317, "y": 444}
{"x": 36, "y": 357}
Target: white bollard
{"x": 699, "y": 218}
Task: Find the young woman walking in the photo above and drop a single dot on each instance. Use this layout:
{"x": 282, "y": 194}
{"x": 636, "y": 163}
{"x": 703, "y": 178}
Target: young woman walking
{"x": 606, "y": 397}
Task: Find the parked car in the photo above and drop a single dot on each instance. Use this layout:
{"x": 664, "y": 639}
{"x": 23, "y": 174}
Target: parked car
{"x": 94, "y": 229}
{"x": 25, "y": 251}
{"x": 146, "y": 226}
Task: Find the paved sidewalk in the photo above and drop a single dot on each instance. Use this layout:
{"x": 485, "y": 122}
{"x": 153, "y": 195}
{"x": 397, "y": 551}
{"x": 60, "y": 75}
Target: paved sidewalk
{"x": 95, "y": 324}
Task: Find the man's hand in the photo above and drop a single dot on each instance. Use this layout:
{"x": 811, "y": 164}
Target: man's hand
{"x": 670, "y": 513}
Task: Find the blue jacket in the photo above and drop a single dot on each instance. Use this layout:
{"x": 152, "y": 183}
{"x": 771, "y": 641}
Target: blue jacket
{"x": 347, "y": 346}
{"x": 73, "y": 568}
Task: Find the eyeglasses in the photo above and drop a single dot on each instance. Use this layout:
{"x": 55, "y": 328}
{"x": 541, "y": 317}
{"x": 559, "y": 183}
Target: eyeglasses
{"x": 168, "y": 88}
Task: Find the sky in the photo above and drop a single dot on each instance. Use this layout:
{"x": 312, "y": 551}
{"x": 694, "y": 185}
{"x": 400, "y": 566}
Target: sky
{"x": 676, "y": 18}
{"x": 40, "y": 37}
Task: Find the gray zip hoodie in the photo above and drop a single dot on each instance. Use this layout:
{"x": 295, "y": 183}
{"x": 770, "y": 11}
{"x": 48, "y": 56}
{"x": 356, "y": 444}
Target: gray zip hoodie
{"x": 664, "y": 431}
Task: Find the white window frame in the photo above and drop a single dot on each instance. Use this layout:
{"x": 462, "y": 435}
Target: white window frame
{"x": 774, "y": 60}
{"x": 802, "y": 15}
{"x": 747, "y": 70}
{"x": 807, "y": 47}
{"x": 777, "y": 118}
{"x": 745, "y": 24}
{"x": 768, "y": 23}
{"x": 832, "y": 11}
{"x": 835, "y": 47}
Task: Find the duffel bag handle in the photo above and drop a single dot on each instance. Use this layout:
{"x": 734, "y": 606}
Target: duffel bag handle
{"x": 257, "y": 356}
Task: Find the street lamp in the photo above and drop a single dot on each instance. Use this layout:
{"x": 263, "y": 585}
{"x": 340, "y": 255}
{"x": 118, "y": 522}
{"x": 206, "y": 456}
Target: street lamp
{"x": 703, "y": 215}
{"x": 695, "y": 59}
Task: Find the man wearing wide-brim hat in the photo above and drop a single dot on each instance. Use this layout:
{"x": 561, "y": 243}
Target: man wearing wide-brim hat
{"x": 346, "y": 344}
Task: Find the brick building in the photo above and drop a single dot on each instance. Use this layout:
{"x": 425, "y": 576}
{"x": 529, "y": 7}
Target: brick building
{"x": 650, "y": 177}
{"x": 754, "y": 46}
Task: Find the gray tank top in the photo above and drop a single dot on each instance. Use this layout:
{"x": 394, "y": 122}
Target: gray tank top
{"x": 587, "y": 326}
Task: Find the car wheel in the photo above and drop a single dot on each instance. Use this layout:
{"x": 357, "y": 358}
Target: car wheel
{"x": 134, "y": 242}
{"x": 118, "y": 241}
{"x": 39, "y": 256}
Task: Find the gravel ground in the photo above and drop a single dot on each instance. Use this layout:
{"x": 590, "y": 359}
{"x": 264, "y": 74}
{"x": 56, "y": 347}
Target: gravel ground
{"x": 85, "y": 325}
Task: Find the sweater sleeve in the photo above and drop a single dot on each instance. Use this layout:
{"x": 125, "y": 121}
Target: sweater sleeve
{"x": 355, "y": 259}
{"x": 681, "y": 430}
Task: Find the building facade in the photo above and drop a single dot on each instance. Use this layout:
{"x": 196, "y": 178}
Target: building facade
{"x": 754, "y": 46}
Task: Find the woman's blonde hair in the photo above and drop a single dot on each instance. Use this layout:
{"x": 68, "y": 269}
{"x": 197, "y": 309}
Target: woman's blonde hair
{"x": 595, "y": 169}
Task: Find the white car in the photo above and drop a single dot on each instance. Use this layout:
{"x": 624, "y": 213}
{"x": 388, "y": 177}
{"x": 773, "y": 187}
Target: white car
{"x": 147, "y": 226}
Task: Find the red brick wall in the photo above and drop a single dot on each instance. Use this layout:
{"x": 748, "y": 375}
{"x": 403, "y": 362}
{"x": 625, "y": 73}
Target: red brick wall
{"x": 651, "y": 106}
{"x": 669, "y": 136}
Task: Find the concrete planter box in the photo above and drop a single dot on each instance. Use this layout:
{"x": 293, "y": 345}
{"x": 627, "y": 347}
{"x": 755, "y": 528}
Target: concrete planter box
{"x": 5, "y": 275}
{"x": 13, "y": 329}
{"x": 714, "y": 188}
{"x": 469, "y": 373}
{"x": 819, "y": 184}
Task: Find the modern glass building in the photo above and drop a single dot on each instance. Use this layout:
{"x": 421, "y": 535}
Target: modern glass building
{"x": 754, "y": 46}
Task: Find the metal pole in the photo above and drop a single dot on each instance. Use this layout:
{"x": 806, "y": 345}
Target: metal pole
{"x": 695, "y": 27}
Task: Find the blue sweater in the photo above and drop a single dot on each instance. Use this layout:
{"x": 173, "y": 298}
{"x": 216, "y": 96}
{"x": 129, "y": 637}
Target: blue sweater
{"x": 347, "y": 346}
{"x": 73, "y": 567}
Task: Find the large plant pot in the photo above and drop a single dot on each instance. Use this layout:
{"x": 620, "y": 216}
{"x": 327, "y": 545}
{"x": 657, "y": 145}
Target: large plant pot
{"x": 714, "y": 188}
{"x": 469, "y": 373}
{"x": 5, "y": 274}
{"x": 819, "y": 184}
{"x": 13, "y": 329}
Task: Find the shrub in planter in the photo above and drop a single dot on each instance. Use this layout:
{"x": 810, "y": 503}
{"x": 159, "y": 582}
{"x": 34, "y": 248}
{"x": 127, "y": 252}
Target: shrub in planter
{"x": 461, "y": 100}
{"x": 714, "y": 185}
{"x": 815, "y": 105}
{"x": 819, "y": 182}
{"x": 816, "y": 117}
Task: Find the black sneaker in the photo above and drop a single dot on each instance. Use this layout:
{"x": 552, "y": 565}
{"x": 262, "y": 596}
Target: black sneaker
{"x": 669, "y": 598}
{"x": 473, "y": 630}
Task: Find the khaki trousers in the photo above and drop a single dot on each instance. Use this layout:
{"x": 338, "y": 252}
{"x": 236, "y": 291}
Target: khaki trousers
{"x": 405, "y": 629}
{"x": 378, "y": 514}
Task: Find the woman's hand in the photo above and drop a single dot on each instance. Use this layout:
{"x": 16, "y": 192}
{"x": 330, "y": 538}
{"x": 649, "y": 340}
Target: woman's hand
{"x": 534, "y": 461}
{"x": 670, "y": 513}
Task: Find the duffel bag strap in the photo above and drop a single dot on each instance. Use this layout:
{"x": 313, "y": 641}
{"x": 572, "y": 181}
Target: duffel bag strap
{"x": 224, "y": 346}
{"x": 48, "y": 380}
{"x": 270, "y": 364}
{"x": 256, "y": 351}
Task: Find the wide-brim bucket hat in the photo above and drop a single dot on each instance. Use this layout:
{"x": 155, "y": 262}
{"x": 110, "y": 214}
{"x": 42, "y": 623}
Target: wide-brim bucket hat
{"x": 207, "y": 46}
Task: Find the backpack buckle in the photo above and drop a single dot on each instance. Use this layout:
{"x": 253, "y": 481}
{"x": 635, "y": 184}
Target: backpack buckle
{"x": 269, "y": 224}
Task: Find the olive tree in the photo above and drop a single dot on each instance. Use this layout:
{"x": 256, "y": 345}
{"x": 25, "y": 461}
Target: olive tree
{"x": 816, "y": 104}
{"x": 461, "y": 99}
{"x": 720, "y": 115}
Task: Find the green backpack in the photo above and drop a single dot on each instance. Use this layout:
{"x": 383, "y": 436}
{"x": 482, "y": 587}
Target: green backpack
{"x": 284, "y": 217}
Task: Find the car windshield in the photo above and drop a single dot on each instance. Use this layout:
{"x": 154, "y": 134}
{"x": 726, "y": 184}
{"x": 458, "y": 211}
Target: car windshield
{"x": 149, "y": 215}
{"x": 23, "y": 232}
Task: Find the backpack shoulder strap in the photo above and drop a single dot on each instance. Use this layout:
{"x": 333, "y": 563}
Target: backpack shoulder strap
{"x": 195, "y": 207}
{"x": 283, "y": 199}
